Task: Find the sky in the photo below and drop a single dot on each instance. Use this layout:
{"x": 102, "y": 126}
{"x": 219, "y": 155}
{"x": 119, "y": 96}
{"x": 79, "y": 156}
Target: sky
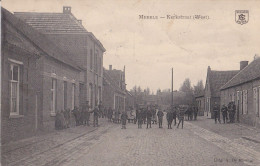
{"x": 150, "y": 48}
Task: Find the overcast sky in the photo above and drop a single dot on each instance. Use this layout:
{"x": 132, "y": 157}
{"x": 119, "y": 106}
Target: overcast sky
{"x": 150, "y": 48}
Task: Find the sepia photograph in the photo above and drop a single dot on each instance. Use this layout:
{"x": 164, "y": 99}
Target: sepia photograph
{"x": 130, "y": 83}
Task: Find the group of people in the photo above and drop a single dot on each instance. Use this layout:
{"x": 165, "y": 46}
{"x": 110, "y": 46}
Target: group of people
{"x": 81, "y": 116}
{"x": 228, "y": 112}
{"x": 144, "y": 115}
{"x": 150, "y": 115}
{"x": 192, "y": 112}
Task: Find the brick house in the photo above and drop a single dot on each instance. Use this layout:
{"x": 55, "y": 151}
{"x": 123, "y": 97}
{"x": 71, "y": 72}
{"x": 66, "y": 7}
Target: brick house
{"x": 40, "y": 79}
{"x": 114, "y": 92}
{"x": 214, "y": 81}
{"x": 58, "y": 76}
{"x": 71, "y": 37}
{"x": 20, "y": 95}
{"x": 244, "y": 90}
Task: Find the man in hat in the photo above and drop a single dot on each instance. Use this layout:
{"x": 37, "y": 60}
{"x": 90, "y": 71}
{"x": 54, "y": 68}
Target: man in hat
{"x": 160, "y": 117}
{"x": 181, "y": 113}
{"x": 96, "y": 114}
{"x": 169, "y": 117}
{"x": 139, "y": 118}
{"x": 124, "y": 119}
{"x": 86, "y": 113}
{"x": 224, "y": 110}
{"x": 216, "y": 111}
{"x": 149, "y": 117}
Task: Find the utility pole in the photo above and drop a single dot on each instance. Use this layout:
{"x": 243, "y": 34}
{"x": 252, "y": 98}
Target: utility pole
{"x": 172, "y": 88}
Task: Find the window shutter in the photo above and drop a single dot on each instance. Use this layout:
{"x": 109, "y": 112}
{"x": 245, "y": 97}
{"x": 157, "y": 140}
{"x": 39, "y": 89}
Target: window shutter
{"x": 255, "y": 104}
{"x": 21, "y": 89}
{"x": 246, "y": 102}
{"x": 9, "y": 88}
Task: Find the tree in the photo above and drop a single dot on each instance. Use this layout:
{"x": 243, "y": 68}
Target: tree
{"x": 186, "y": 86}
{"x": 188, "y": 90}
{"x": 199, "y": 88}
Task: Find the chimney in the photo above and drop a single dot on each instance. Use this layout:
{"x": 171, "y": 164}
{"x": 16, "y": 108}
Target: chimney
{"x": 67, "y": 9}
{"x": 209, "y": 68}
{"x": 256, "y": 56}
{"x": 243, "y": 64}
{"x": 80, "y": 21}
{"x": 110, "y": 67}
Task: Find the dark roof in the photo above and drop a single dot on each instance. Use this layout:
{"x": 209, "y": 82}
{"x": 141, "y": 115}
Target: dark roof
{"x": 249, "y": 73}
{"x": 52, "y": 22}
{"x": 200, "y": 94}
{"x": 38, "y": 39}
{"x": 110, "y": 80}
{"x": 218, "y": 79}
{"x": 61, "y": 23}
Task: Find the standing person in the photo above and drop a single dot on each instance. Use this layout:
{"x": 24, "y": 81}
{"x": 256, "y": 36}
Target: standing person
{"x": 224, "y": 110}
{"x": 96, "y": 115}
{"x": 67, "y": 117}
{"x": 169, "y": 117}
{"x": 144, "y": 115}
{"x": 76, "y": 115}
{"x": 85, "y": 113}
{"x": 123, "y": 119}
{"x": 139, "y": 118}
{"x": 160, "y": 117}
{"x": 216, "y": 111}
{"x": 110, "y": 114}
{"x": 117, "y": 116}
{"x": 58, "y": 121}
{"x": 181, "y": 113}
{"x": 191, "y": 112}
{"x": 174, "y": 112}
{"x": 101, "y": 110}
{"x": 188, "y": 112}
{"x": 149, "y": 118}
{"x": 105, "y": 112}
{"x": 195, "y": 111}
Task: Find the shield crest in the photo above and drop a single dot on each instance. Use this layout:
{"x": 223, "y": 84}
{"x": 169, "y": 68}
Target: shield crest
{"x": 241, "y": 16}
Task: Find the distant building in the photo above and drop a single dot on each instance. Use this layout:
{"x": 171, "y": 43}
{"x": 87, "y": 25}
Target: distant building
{"x": 200, "y": 101}
{"x": 130, "y": 100}
{"x": 114, "y": 92}
{"x": 68, "y": 33}
{"x": 215, "y": 79}
{"x": 244, "y": 90}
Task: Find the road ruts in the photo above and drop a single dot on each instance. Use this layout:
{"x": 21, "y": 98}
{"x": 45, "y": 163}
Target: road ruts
{"x": 60, "y": 154}
{"x": 236, "y": 148}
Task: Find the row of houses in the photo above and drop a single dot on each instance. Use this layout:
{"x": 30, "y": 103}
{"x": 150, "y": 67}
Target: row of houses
{"x": 50, "y": 62}
{"x": 239, "y": 86}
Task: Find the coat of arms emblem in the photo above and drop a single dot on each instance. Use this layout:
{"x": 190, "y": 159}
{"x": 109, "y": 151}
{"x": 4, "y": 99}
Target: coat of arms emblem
{"x": 242, "y": 16}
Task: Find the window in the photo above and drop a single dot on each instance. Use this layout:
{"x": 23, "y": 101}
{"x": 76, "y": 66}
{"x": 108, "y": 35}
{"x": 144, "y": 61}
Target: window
{"x": 238, "y": 102}
{"x": 14, "y": 88}
{"x": 245, "y": 111}
{"x": 99, "y": 95}
{"x": 65, "y": 94}
{"x": 256, "y": 100}
{"x": 258, "y": 97}
{"x": 95, "y": 61}
{"x": 91, "y": 59}
{"x": 73, "y": 96}
{"x": 54, "y": 96}
{"x": 91, "y": 95}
